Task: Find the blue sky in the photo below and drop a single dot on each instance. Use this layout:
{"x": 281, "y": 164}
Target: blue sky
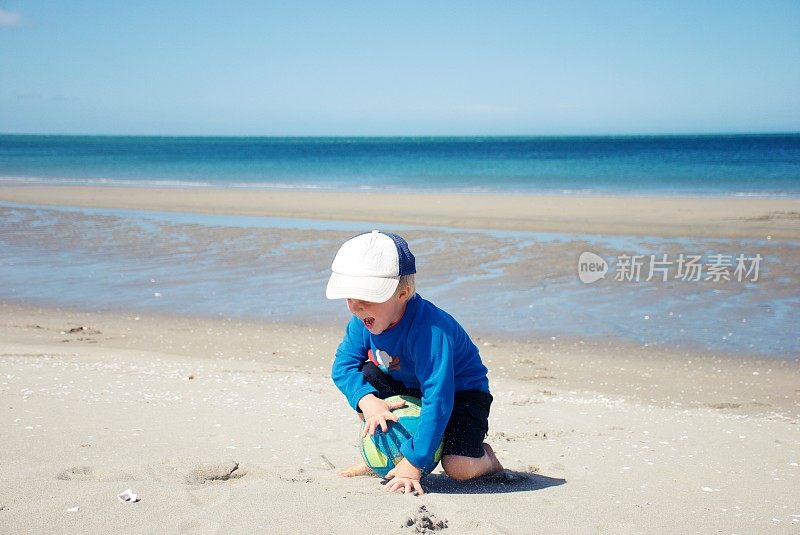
{"x": 399, "y": 68}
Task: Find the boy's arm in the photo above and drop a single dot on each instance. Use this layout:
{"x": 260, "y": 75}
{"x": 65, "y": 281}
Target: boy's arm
{"x": 434, "y": 369}
{"x": 347, "y": 365}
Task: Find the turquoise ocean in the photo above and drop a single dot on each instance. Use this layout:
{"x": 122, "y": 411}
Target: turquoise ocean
{"x": 521, "y": 284}
{"x": 748, "y": 165}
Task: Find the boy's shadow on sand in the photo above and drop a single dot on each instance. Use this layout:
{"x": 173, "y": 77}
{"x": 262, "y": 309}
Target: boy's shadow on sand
{"x": 506, "y": 481}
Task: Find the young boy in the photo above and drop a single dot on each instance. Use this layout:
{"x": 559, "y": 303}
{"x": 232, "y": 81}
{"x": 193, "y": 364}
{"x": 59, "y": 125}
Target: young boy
{"x": 399, "y": 343}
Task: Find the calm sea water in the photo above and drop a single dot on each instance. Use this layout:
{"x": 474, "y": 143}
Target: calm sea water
{"x": 648, "y": 165}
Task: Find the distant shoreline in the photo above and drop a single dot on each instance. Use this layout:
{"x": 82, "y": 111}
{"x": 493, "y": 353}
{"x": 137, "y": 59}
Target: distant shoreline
{"x": 679, "y": 216}
{"x": 12, "y": 181}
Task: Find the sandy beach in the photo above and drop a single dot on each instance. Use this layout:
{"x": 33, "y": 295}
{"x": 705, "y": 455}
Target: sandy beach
{"x": 628, "y": 215}
{"x": 234, "y": 427}
{"x": 226, "y": 425}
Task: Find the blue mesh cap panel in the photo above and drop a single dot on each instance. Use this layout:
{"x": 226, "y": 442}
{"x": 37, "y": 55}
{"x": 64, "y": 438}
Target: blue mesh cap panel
{"x": 407, "y": 261}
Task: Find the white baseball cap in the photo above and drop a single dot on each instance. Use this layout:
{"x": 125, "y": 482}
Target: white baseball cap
{"x": 368, "y": 267}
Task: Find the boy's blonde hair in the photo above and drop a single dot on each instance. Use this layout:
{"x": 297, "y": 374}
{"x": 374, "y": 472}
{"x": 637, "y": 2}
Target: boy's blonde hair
{"x": 407, "y": 280}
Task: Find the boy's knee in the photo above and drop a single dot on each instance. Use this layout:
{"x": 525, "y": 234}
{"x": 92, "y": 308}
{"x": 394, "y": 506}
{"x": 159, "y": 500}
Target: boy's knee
{"x": 458, "y": 467}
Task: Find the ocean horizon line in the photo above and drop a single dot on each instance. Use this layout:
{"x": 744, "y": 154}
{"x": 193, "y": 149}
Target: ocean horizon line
{"x": 494, "y": 137}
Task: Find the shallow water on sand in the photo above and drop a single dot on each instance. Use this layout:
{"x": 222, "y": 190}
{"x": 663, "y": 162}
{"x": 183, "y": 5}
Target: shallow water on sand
{"x": 495, "y": 282}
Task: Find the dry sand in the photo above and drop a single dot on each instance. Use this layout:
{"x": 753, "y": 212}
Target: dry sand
{"x": 651, "y": 216}
{"x": 234, "y": 427}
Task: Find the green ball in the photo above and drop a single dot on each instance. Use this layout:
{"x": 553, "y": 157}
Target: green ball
{"x": 381, "y": 451}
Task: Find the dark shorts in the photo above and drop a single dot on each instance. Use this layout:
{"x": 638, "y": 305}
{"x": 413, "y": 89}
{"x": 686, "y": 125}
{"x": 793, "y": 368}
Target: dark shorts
{"x": 469, "y": 421}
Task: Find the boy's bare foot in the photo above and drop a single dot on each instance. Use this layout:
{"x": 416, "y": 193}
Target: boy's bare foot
{"x": 360, "y": 469}
{"x": 462, "y": 468}
{"x": 496, "y": 465}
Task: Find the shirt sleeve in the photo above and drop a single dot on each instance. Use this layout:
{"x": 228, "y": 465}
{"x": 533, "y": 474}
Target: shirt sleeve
{"x": 350, "y": 357}
{"x": 434, "y": 369}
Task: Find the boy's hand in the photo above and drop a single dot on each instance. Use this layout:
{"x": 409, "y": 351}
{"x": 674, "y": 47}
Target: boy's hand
{"x": 376, "y": 412}
{"x": 405, "y": 476}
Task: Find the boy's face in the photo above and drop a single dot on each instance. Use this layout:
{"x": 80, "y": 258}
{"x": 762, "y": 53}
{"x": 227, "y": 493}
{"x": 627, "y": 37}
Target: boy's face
{"x": 377, "y": 317}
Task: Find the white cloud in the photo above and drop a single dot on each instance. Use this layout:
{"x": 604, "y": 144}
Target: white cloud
{"x": 9, "y": 18}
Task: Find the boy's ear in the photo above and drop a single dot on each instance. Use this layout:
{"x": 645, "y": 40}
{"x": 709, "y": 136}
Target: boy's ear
{"x": 404, "y": 293}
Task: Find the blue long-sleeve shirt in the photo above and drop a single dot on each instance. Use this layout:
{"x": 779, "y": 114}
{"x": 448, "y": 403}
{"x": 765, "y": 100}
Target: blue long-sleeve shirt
{"x": 426, "y": 350}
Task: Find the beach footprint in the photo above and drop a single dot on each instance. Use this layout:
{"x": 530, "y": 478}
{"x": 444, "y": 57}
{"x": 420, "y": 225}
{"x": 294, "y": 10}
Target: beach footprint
{"x": 196, "y": 473}
{"x": 186, "y": 472}
{"x": 76, "y": 473}
{"x": 206, "y": 473}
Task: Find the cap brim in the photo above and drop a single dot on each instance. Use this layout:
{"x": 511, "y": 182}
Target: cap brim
{"x": 372, "y": 289}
